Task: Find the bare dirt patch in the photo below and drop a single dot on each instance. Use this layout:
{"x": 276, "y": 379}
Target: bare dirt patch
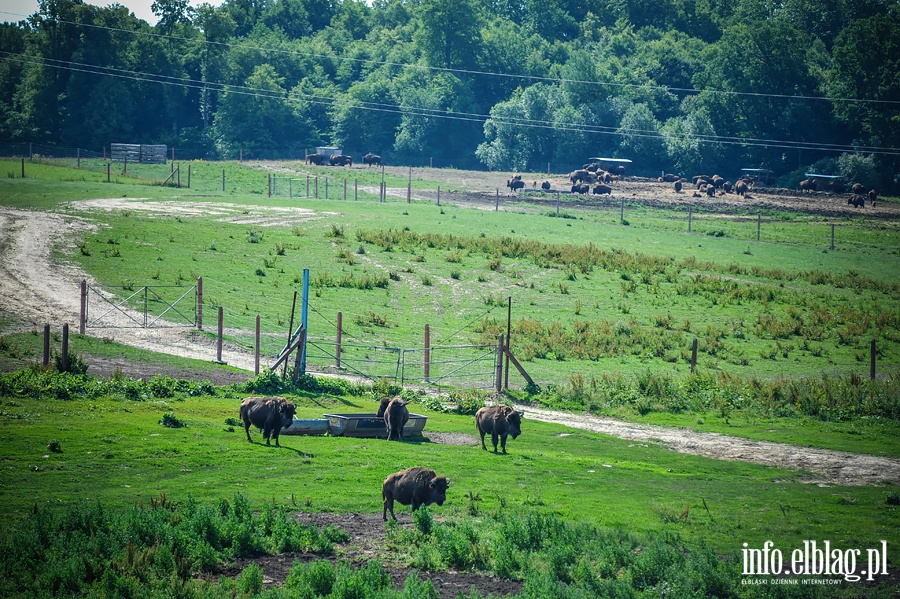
{"x": 367, "y": 542}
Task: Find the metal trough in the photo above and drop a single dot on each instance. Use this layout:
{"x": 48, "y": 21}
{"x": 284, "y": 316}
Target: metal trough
{"x": 312, "y": 426}
{"x": 369, "y": 425}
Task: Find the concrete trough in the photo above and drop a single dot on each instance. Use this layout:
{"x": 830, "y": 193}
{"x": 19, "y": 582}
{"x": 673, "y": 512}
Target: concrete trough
{"x": 369, "y": 425}
{"x": 311, "y": 426}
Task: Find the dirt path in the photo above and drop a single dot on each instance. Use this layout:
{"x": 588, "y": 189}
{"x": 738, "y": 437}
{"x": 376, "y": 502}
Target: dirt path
{"x": 36, "y": 289}
{"x": 825, "y": 466}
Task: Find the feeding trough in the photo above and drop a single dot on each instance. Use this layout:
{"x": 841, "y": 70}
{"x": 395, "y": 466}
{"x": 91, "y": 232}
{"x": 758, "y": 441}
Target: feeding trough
{"x": 368, "y": 424}
{"x": 311, "y": 426}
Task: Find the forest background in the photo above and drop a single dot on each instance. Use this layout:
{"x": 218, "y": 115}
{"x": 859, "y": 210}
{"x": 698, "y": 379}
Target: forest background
{"x": 685, "y": 86}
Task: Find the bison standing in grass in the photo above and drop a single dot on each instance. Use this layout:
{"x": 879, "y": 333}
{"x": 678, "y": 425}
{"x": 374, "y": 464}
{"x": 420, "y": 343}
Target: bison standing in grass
{"x": 416, "y": 486}
{"x": 396, "y": 415}
{"x": 271, "y": 414}
{"x": 500, "y": 421}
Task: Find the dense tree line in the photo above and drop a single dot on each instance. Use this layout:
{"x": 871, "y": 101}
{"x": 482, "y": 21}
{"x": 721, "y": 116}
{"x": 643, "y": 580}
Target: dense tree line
{"x": 676, "y": 85}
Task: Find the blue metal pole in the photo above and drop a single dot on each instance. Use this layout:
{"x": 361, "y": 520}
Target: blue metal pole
{"x": 304, "y": 318}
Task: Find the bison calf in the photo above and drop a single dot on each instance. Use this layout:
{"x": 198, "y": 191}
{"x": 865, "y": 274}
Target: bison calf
{"x": 396, "y": 415}
{"x": 416, "y": 486}
{"x": 499, "y": 421}
{"x": 271, "y": 414}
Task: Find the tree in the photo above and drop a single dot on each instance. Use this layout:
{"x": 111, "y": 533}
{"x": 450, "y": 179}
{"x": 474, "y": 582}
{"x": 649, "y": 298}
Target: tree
{"x": 640, "y": 135}
{"x": 257, "y": 118}
{"x": 450, "y": 36}
{"x": 170, "y": 13}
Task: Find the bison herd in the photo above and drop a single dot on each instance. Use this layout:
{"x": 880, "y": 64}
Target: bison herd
{"x": 414, "y": 486}
{"x": 858, "y": 194}
{"x": 342, "y": 159}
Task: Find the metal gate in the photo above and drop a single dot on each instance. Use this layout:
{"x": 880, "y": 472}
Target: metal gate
{"x": 140, "y": 307}
{"x": 449, "y": 365}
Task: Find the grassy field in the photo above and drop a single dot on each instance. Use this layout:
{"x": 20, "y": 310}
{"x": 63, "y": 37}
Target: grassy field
{"x": 603, "y": 318}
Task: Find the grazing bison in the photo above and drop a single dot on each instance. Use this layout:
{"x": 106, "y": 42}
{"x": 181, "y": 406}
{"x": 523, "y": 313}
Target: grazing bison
{"x": 711, "y": 190}
{"x": 600, "y": 189}
{"x": 416, "y": 486}
{"x": 340, "y": 160}
{"x": 515, "y": 184}
{"x": 581, "y": 188}
{"x": 678, "y": 186}
{"x": 727, "y": 186}
{"x": 316, "y": 159}
{"x": 580, "y": 175}
{"x": 545, "y": 185}
{"x": 857, "y": 200}
{"x": 741, "y": 187}
{"x": 499, "y": 421}
{"x": 807, "y": 185}
{"x": 396, "y": 415}
{"x": 858, "y": 188}
{"x": 271, "y": 414}
{"x": 718, "y": 181}
{"x": 873, "y": 195}
{"x": 372, "y": 159}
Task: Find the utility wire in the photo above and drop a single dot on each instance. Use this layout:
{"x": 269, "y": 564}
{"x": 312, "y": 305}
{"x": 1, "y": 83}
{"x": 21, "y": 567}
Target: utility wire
{"x": 283, "y": 96}
{"x": 535, "y": 78}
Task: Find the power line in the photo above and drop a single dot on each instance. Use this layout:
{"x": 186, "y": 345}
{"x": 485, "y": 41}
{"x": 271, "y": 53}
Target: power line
{"x": 585, "y": 128}
{"x": 478, "y": 72}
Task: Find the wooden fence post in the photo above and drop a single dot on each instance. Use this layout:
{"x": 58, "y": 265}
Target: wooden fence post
{"x": 307, "y": 187}
{"x": 622, "y": 212}
{"x": 223, "y": 179}
{"x": 82, "y": 319}
{"x": 497, "y": 201}
{"x": 355, "y": 190}
{"x": 256, "y": 352}
{"x": 345, "y": 189}
{"x": 270, "y": 184}
{"x": 693, "y": 355}
{"x": 219, "y": 337}
{"x": 557, "y": 202}
{"x": 337, "y": 346}
{"x": 23, "y": 168}
{"x": 189, "y": 177}
{"x": 758, "y": 225}
{"x": 690, "y": 216}
{"x": 46, "y": 345}
{"x": 107, "y": 172}
{"x": 65, "y": 348}
{"x": 832, "y": 235}
{"x": 439, "y": 195}
{"x": 199, "y": 303}
{"x": 499, "y": 373}
{"x": 78, "y": 152}
{"x": 178, "y": 169}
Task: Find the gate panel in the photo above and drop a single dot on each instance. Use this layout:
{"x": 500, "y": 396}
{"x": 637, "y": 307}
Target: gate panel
{"x": 156, "y": 306}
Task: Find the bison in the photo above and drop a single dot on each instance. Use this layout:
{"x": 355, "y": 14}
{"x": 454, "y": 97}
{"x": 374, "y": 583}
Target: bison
{"x": 416, "y": 486}
{"x": 741, "y": 187}
{"x": 580, "y": 175}
{"x": 857, "y": 200}
{"x": 600, "y": 189}
{"x": 581, "y": 188}
{"x": 808, "y": 185}
{"x": 858, "y": 188}
{"x": 316, "y": 159}
{"x": 271, "y": 414}
{"x": 873, "y": 195}
{"x": 545, "y": 185}
{"x": 372, "y": 159}
{"x": 678, "y": 186}
{"x": 396, "y": 415}
{"x": 340, "y": 160}
{"x": 515, "y": 184}
{"x": 727, "y": 186}
{"x": 499, "y": 421}
{"x": 670, "y": 178}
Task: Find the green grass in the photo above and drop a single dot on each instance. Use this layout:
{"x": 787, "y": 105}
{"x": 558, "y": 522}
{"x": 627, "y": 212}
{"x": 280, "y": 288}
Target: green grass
{"x": 116, "y": 452}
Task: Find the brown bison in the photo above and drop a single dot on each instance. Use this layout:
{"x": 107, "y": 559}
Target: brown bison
{"x": 545, "y": 185}
{"x": 857, "y": 200}
{"x": 515, "y": 184}
{"x": 741, "y": 187}
{"x": 372, "y": 159}
{"x": 670, "y": 178}
{"x": 727, "y": 186}
{"x": 858, "y": 188}
{"x": 499, "y": 421}
{"x": 600, "y": 189}
{"x": 580, "y": 175}
{"x": 581, "y": 188}
{"x": 396, "y": 415}
{"x": 678, "y": 186}
{"x": 340, "y": 160}
{"x": 416, "y": 486}
{"x": 316, "y": 159}
{"x": 808, "y": 185}
{"x": 271, "y": 414}
{"x": 873, "y": 195}
{"x": 718, "y": 181}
